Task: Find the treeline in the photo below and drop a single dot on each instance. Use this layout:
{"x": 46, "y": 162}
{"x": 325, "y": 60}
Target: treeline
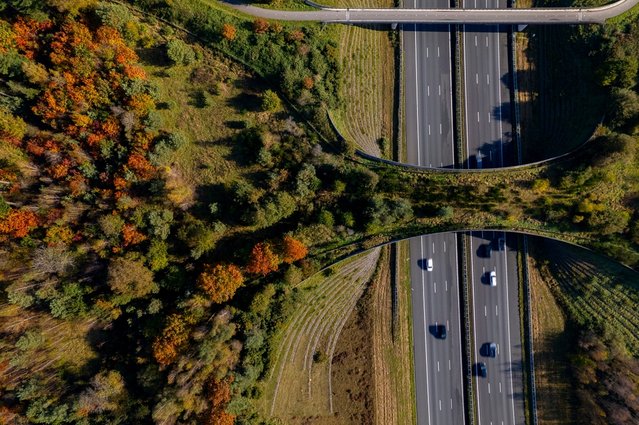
{"x": 607, "y": 379}
{"x": 122, "y": 304}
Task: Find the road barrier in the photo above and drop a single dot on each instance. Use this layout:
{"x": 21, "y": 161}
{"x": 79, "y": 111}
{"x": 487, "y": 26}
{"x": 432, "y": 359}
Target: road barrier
{"x": 459, "y": 105}
{"x": 468, "y": 347}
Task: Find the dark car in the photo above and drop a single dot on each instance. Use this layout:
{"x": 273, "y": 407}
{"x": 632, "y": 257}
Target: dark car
{"x": 480, "y": 369}
{"x": 488, "y": 349}
{"x": 440, "y": 331}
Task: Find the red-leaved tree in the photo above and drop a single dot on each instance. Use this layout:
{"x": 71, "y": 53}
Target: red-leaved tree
{"x": 262, "y": 260}
{"x": 292, "y": 250}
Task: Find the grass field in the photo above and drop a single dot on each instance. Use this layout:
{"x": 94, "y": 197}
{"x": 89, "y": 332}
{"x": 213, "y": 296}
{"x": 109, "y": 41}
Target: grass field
{"x": 207, "y": 119}
{"x": 299, "y": 388}
{"x": 366, "y": 55}
{"x": 574, "y": 288}
{"x": 597, "y": 292}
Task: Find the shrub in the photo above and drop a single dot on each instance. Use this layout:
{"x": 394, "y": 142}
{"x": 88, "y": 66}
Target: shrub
{"x": 271, "y": 101}
{"x": 229, "y": 32}
{"x": 179, "y": 52}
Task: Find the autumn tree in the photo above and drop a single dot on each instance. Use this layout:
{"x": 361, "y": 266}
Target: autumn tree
{"x": 229, "y": 32}
{"x": 220, "y": 395}
{"x": 107, "y": 393}
{"x": 260, "y": 26}
{"x": 220, "y": 281}
{"x": 174, "y": 336}
{"x": 18, "y": 223}
{"x": 292, "y": 250}
{"x": 130, "y": 279}
{"x": 262, "y": 260}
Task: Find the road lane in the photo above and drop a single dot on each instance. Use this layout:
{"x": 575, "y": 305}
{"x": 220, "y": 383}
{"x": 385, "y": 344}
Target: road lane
{"x": 487, "y": 93}
{"x": 499, "y": 395}
{"x": 428, "y": 92}
{"x": 435, "y": 301}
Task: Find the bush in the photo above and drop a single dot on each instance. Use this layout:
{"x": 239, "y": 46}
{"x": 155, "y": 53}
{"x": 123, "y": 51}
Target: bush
{"x": 270, "y": 101}
{"x": 179, "y": 52}
{"x": 446, "y": 212}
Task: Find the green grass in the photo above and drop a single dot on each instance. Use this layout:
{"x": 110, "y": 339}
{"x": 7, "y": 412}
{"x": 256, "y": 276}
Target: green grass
{"x": 208, "y": 158}
{"x": 597, "y": 293}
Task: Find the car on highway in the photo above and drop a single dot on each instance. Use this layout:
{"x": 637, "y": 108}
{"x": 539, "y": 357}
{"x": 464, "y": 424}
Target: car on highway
{"x": 440, "y": 331}
{"x": 493, "y": 278}
{"x": 429, "y": 264}
{"x": 501, "y": 244}
{"x": 488, "y": 349}
{"x": 481, "y": 370}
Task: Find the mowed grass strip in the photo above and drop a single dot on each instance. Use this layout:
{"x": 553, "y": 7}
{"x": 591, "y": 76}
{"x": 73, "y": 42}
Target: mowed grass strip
{"x": 366, "y": 55}
{"x": 393, "y": 386}
{"x": 299, "y": 384}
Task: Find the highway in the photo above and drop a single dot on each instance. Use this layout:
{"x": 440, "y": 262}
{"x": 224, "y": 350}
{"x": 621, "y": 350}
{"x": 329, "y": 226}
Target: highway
{"x": 447, "y": 16}
{"x": 495, "y": 318}
{"x": 487, "y": 93}
{"x": 428, "y": 94}
{"x": 439, "y": 386}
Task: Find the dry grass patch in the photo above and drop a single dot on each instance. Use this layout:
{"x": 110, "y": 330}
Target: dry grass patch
{"x": 392, "y": 357}
{"x": 299, "y": 388}
{"x": 552, "y": 342}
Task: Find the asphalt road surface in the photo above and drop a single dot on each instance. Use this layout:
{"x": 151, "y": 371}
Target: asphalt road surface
{"x": 487, "y": 90}
{"x": 439, "y": 387}
{"x": 428, "y": 91}
{"x": 499, "y": 396}
{"x": 447, "y": 16}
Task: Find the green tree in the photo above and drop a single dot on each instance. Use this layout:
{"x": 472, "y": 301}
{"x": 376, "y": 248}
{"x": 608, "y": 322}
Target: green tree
{"x": 624, "y": 108}
{"x": 11, "y": 126}
{"x": 130, "y": 279}
{"x": 306, "y": 182}
{"x": 69, "y": 303}
{"x": 157, "y": 256}
{"x": 159, "y": 222}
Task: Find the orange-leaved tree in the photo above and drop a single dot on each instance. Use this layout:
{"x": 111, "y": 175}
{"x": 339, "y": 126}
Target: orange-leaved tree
{"x": 220, "y": 281}
{"x": 229, "y": 32}
{"x": 263, "y": 260}
{"x": 292, "y": 250}
{"x": 220, "y": 393}
{"x": 174, "y": 336}
{"x": 18, "y": 223}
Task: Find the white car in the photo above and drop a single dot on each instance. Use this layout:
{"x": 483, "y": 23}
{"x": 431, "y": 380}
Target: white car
{"x": 493, "y": 278}
{"x": 429, "y": 264}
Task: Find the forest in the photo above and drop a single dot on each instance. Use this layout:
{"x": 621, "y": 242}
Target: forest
{"x": 122, "y": 303}
{"x": 132, "y": 292}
